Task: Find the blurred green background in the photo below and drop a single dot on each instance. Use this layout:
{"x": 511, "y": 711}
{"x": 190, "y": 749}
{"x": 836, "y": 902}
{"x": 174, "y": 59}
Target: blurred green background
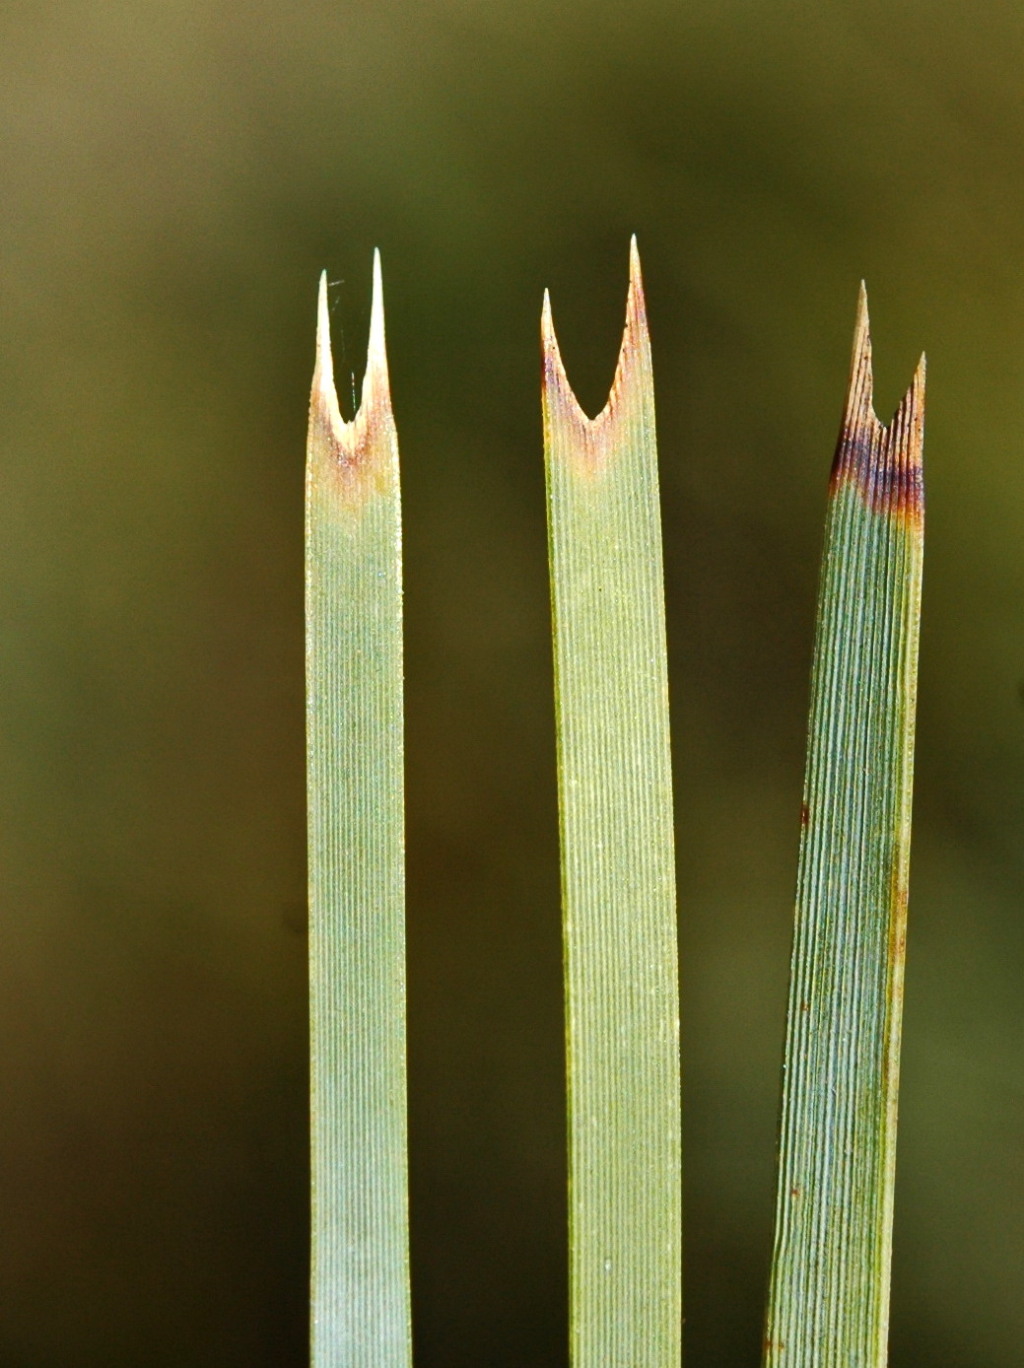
{"x": 173, "y": 179}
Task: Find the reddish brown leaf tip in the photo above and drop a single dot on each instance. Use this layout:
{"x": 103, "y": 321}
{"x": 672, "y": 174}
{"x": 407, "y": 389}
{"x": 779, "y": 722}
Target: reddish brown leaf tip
{"x": 591, "y": 438}
{"x": 360, "y": 453}
{"x": 884, "y": 463}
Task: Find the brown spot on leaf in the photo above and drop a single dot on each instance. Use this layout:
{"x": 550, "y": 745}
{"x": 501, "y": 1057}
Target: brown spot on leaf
{"x": 897, "y": 954}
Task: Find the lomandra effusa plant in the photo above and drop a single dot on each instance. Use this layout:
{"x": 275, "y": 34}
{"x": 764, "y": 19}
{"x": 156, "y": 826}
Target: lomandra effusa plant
{"x": 828, "y": 1299}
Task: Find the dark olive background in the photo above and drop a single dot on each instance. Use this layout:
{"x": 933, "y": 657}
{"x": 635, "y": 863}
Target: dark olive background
{"x": 173, "y": 179}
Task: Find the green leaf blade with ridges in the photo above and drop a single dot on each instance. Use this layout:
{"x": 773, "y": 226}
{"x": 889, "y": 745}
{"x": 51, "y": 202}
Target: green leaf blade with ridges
{"x": 828, "y": 1304}
{"x": 618, "y": 880}
{"x": 360, "y": 1302}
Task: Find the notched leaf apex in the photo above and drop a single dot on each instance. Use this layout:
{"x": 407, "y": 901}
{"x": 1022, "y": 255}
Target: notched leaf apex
{"x": 360, "y": 455}
{"x": 883, "y": 462}
{"x": 591, "y": 438}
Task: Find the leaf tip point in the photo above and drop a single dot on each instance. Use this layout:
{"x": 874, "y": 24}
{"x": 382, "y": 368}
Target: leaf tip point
{"x": 636, "y": 308}
{"x": 862, "y": 305}
{"x": 556, "y": 392}
{"x": 376, "y": 384}
{"x": 634, "y": 260}
{"x": 323, "y": 377}
{"x": 861, "y": 391}
{"x": 324, "y": 398}
{"x": 547, "y": 326}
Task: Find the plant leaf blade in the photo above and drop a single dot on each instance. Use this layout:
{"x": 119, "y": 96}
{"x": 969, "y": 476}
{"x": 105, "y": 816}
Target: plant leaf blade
{"x": 829, "y": 1295}
{"x": 618, "y": 880}
{"x": 360, "y": 1302}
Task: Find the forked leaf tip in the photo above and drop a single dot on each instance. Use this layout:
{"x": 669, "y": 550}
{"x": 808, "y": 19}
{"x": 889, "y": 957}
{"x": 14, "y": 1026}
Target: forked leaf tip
{"x": 363, "y": 452}
{"x": 884, "y": 462}
{"x": 594, "y": 434}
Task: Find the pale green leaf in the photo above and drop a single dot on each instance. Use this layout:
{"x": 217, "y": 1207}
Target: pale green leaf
{"x": 618, "y": 881}
{"x": 360, "y": 1284}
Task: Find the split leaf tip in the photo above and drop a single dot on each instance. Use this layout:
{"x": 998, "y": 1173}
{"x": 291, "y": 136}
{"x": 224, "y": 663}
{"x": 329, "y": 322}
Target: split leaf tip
{"x": 591, "y": 438}
{"x": 883, "y": 462}
{"x": 361, "y": 451}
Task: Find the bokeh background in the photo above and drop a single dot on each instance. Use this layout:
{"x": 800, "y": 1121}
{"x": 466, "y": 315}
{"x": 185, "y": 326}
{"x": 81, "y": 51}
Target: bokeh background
{"x": 173, "y": 178}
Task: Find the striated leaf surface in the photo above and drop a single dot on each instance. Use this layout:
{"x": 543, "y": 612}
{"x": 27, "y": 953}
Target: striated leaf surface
{"x": 828, "y": 1303}
{"x": 360, "y": 1284}
{"x": 618, "y": 881}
